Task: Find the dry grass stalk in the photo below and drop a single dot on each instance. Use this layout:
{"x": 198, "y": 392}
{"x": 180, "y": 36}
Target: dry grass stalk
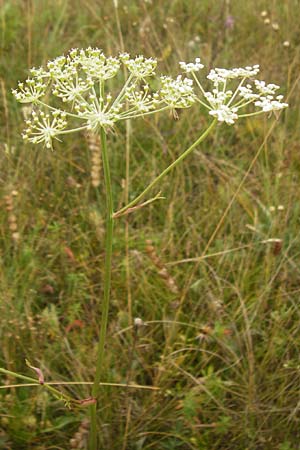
{"x": 95, "y": 147}
{"x": 162, "y": 269}
{"x": 12, "y": 219}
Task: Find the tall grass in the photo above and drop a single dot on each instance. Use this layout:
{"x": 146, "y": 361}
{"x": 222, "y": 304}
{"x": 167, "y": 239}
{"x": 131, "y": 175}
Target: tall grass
{"x": 228, "y": 370}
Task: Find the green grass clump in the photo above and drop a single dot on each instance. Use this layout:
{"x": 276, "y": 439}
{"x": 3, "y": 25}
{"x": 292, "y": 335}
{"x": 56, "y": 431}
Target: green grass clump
{"x": 223, "y": 346}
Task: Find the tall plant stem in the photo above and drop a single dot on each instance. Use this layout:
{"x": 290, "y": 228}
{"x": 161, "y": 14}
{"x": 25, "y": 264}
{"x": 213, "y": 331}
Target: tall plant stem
{"x": 108, "y": 256}
{"x": 106, "y": 294}
{"x": 166, "y": 171}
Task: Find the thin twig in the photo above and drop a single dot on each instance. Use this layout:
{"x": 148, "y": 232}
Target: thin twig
{"x": 141, "y": 205}
{"x": 72, "y": 383}
{"x": 224, "y": 252}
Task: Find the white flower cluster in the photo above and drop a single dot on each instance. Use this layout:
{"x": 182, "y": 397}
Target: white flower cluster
{"x": 69, "y": 89}
{"x": 142, "y": 100}
{"x": 225, "y": 114}
{"x": 91, "y": 62}
{"x": 140, "y": 66}
{"x": 31, "y": 90}
{"x": 218, "y": 108}
{"x": 225, "y": 104}
{"x": 44, "y": 127}
{"x": 96, "y": 65}
{"x": 266, "y": 97}
{"x": 221, "y": 75}
{"x": 78, "y": 80}
{"x": 191, "y": 67}
{"x": 177, "y": 93}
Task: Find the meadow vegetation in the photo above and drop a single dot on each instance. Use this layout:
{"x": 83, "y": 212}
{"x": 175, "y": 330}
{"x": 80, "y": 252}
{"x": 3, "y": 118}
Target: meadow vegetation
{"x": 205, "y": 282}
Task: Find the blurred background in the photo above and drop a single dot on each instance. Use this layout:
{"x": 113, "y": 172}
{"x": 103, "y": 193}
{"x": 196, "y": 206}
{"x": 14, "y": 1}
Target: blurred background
{"x": 212, "y": 270}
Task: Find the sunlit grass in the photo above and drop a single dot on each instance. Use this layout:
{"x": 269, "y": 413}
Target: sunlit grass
{"x": 228, "y": 371}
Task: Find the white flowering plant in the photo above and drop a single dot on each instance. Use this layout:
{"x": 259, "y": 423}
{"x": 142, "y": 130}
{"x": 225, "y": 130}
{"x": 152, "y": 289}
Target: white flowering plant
{"x": 76, "y": 92}
{"x": 233, "y": 90}
{"x": 80, "y": 81}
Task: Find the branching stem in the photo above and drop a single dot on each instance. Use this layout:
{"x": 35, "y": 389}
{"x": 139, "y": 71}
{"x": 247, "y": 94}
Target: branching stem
{"x": 166, "y": 171}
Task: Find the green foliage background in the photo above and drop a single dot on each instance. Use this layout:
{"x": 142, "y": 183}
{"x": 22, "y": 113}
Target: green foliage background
{"x": 229, "y": 371}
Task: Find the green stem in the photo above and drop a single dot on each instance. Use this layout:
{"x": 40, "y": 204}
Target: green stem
{"x": 167, "y": 170}
{"x": 54, "y": 391}
{"x": 18, "y": 375}
{"x": 106, "y": 295}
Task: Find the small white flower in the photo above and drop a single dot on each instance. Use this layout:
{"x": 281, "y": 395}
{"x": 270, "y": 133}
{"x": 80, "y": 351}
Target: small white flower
{"x": 96, "y": 65}
{"x": 38, "y": 72}
{"x": 267, "y": 104}
{"x": 56, "y": 67}
{"x": 247, "y": 93}
{"x": 217, "y": 98}
{"x": 100, "y": 119}
{"x": 225, "y": 114}
{"x": 265, "y": 89}
{"x": 177, "y": 93}
{"x": 219, "y": 75}
{"x": 44, "y": 127}
{"x": 191, "y": 67}
{"x": 98, "y": 116}
{"x": 140, "y": 67}
{"x": 141, "y": 100}
{"x": 70, "y": 88}
{"x": 215, "y": 77}
{"x": 31, "y": 91}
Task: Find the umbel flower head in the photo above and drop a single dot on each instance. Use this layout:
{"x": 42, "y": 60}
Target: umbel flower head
{"x": 82, "y": 91}
{"x": 227, "y": 105}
